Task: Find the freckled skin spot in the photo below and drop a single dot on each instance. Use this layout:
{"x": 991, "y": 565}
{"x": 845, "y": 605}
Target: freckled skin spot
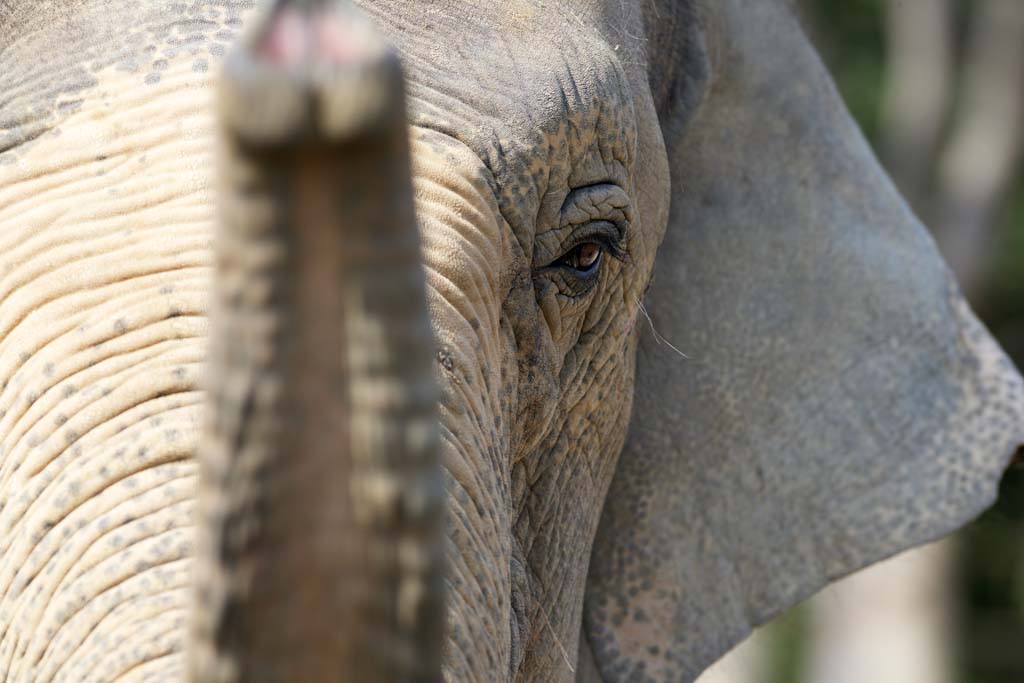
{"x": 444, "y": 357}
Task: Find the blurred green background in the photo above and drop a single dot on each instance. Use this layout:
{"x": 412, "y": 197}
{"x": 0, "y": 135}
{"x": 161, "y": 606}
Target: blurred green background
{"x": 938, "y": 87}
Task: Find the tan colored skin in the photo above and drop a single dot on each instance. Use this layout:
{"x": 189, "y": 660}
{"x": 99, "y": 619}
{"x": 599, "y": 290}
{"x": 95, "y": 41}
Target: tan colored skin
{"x": 708, "y": 124}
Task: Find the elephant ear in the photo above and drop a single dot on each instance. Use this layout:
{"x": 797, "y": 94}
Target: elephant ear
{"x": 838, "y": 402}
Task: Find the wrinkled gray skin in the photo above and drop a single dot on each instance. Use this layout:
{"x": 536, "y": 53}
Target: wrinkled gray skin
{"x": 837, "y": 403}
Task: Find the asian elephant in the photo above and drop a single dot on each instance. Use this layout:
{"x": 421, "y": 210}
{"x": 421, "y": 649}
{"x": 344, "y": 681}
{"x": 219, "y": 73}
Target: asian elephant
{"x": 696, "y": 357}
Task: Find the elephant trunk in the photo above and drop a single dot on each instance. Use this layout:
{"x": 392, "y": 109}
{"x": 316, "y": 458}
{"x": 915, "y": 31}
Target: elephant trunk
{"x": 321, "y": 499}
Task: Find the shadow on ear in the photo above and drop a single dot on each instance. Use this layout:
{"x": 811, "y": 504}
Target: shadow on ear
{"x": 839, "y": 401}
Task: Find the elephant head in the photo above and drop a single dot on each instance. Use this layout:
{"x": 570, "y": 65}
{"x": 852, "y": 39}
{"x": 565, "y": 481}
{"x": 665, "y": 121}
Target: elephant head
{"x": 695, "y": 356}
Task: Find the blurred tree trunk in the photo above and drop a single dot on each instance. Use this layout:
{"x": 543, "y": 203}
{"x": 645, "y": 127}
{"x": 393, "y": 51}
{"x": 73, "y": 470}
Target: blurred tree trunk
{"x": 748, "y": 662}
{"x": 978, "y": 164}
{"x": 917, "y": 91}
{"x": 888, "y": 624}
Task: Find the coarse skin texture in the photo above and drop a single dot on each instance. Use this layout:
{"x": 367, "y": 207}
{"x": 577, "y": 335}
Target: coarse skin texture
{"x": 839, "y": 402}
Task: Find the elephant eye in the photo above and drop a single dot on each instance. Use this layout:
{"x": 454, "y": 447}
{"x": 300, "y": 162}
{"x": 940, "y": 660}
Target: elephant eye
{"x": 593, "y": 225}
{"x": 586, "y": 249}
{"x": 584, "y": 257}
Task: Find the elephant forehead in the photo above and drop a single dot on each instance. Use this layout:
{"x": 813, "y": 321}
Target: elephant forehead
{"x": 541, "y": 98}
{"x": 56, "y": 56}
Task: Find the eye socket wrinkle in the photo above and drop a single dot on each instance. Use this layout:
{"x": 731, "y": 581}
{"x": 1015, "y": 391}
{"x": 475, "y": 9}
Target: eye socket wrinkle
{"x": 599, "y": 213}
{"x": 596, "y": 201}
{"x": 594, "y": 221}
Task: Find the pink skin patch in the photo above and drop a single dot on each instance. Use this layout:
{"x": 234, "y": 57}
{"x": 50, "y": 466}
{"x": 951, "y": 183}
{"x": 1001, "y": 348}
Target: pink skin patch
{"x": 293, "y": 38}
{"x": 286, "y": 39}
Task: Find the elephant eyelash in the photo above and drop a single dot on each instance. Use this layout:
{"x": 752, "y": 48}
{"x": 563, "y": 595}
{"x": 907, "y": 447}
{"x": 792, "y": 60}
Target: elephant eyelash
{"x": 609, "y": 236}
{"x": 618, "y": 250}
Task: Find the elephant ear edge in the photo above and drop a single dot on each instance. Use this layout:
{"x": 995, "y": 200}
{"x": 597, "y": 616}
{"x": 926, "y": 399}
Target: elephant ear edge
{"x": 840, "y": 402}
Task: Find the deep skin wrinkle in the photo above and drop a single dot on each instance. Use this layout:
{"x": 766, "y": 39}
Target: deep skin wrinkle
{"x": 536, "y": 395}
{"x": 537, "y": 366}
{"x": 839, "y": 402}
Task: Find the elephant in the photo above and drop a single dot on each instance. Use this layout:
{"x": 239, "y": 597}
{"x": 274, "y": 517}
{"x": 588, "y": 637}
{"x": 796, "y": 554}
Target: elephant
{"x": 693, "y": 355}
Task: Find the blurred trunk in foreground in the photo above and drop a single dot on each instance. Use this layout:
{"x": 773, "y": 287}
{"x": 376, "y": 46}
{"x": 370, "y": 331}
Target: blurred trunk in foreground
{"x": 320, "y": 526}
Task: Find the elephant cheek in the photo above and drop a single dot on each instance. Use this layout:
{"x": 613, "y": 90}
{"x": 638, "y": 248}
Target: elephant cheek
{"x": 461, "y": 247}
